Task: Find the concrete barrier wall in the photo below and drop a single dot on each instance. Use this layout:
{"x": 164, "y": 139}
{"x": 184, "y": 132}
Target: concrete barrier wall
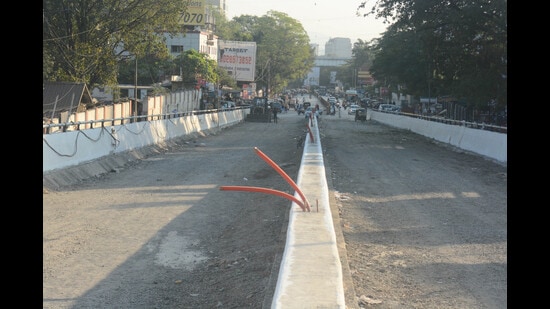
{"x": 490, "y": 144}
{"x": 66, "y": 149}
{"x": 310, "y": 274}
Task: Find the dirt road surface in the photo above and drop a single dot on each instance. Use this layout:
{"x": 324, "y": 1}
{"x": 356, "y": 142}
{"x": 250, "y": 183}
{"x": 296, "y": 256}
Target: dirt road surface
{"x": 423, "y": 225}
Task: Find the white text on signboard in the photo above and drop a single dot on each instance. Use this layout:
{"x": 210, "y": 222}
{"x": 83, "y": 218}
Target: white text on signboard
{"x": 238, "y": 59}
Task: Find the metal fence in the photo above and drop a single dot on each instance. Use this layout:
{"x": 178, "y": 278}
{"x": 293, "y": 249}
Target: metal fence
{"x": 442, "y": 119}
{"x": 101, "y": 123}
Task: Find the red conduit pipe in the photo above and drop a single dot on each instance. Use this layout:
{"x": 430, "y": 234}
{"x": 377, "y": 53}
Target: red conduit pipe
{"x": 284, "y": 175}
{"x": 265, "y": 190}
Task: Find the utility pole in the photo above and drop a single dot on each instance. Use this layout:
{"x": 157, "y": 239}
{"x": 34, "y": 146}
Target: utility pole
{"x": 268, "y": 78}
{"x": 354, "y": 78}
{"x": 136, "y": 89}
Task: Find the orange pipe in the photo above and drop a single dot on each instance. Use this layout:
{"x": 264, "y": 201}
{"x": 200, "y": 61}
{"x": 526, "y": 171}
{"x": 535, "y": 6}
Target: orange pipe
{"x": 284, "y": 175}
{"x": 264, "y": 190}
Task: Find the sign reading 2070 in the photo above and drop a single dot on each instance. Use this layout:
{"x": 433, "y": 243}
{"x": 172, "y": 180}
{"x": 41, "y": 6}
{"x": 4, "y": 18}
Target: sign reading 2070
{"x": 195, "y": 13}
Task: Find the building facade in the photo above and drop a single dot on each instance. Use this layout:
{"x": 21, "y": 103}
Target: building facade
{"x": 338, "y": 48}
{"x": 221, "y": 4}
{"x": 202, "y": 41}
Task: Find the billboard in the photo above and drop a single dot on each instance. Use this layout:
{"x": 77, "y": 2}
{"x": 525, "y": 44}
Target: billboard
{"x": 333, "y": 77}
{"x": 364, "y": 77}
{"x": 238, "y": 59}
{"x": 195, "y": 15}
{"x": 312, "y": 78}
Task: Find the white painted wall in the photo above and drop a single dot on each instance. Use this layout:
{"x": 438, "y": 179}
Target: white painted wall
{"x": 490, "y": 144}
{"x": 65, "y": 149}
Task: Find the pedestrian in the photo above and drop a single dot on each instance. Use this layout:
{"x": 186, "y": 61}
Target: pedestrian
{"x": 275, "y": 114}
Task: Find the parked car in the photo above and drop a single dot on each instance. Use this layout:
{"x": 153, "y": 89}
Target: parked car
{"x": 228, "y": 105}
{"x": 352, "y": 109}
{"x": 388, "y": 108}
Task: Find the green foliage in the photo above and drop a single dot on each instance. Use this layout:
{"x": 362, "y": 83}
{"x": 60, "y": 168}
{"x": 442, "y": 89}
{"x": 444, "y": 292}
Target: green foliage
{"x": 83, "y": 41}
{"x": 102, "y": 42}
{"x": 283, "y": 52}
{"x": 151, "y": 67}
{"x": 458, "y": 48}
{"x": 224, "y": 79}
{"x": 400, "y": 59}
{"x": 362, "y": 57}
{"x": 195, "y": 66}
{"x": 231, "y": 29}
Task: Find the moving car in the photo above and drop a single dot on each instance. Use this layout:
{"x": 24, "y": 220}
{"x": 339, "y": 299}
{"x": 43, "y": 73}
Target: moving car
{"x": 276, "y": 105}
{"x": 353, "y": 108}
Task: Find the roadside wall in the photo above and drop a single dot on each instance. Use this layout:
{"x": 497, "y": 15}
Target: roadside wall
{"x": 67, "y": 149}
{"x": 489, "y": 144}
{"x": 154, "y": 106}
{"x": 310, "y": 274}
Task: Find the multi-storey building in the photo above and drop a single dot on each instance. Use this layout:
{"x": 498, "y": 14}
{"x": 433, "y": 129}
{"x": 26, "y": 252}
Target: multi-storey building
{"x": 198, "y": 36}
{"x": 338, "y": 48}
{"x": 220, "y": 4}
{"x": 202, "y": 41}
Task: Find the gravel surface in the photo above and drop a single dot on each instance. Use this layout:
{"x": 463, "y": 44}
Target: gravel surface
{"x": 158, "y": 233}
{"x": 420, "y": 224}
{"x": 425, "y": 224}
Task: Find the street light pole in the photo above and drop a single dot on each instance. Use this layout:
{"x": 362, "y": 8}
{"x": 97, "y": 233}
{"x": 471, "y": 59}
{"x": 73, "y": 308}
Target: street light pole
{"x": 354, "y": 78}
{"x": 268, "y": 78}
{"x": 135, "y": 89}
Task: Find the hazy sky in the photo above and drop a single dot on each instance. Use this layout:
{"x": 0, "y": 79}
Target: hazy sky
{"x": 322, "y": 19}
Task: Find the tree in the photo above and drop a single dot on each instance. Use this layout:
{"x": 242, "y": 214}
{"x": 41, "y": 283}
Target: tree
{"x": 195, "y": 66}
{"x": 224, "y": 79}
{"x": 231, "y": 30}
{"x": 411, "y": 68}
{"x": 152, "y": 67}
{"x": 83, "y": 41}
{"x": 283, "y": 51}
{"x": 362, "y": 57}
{"x": 460, "y": 46}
